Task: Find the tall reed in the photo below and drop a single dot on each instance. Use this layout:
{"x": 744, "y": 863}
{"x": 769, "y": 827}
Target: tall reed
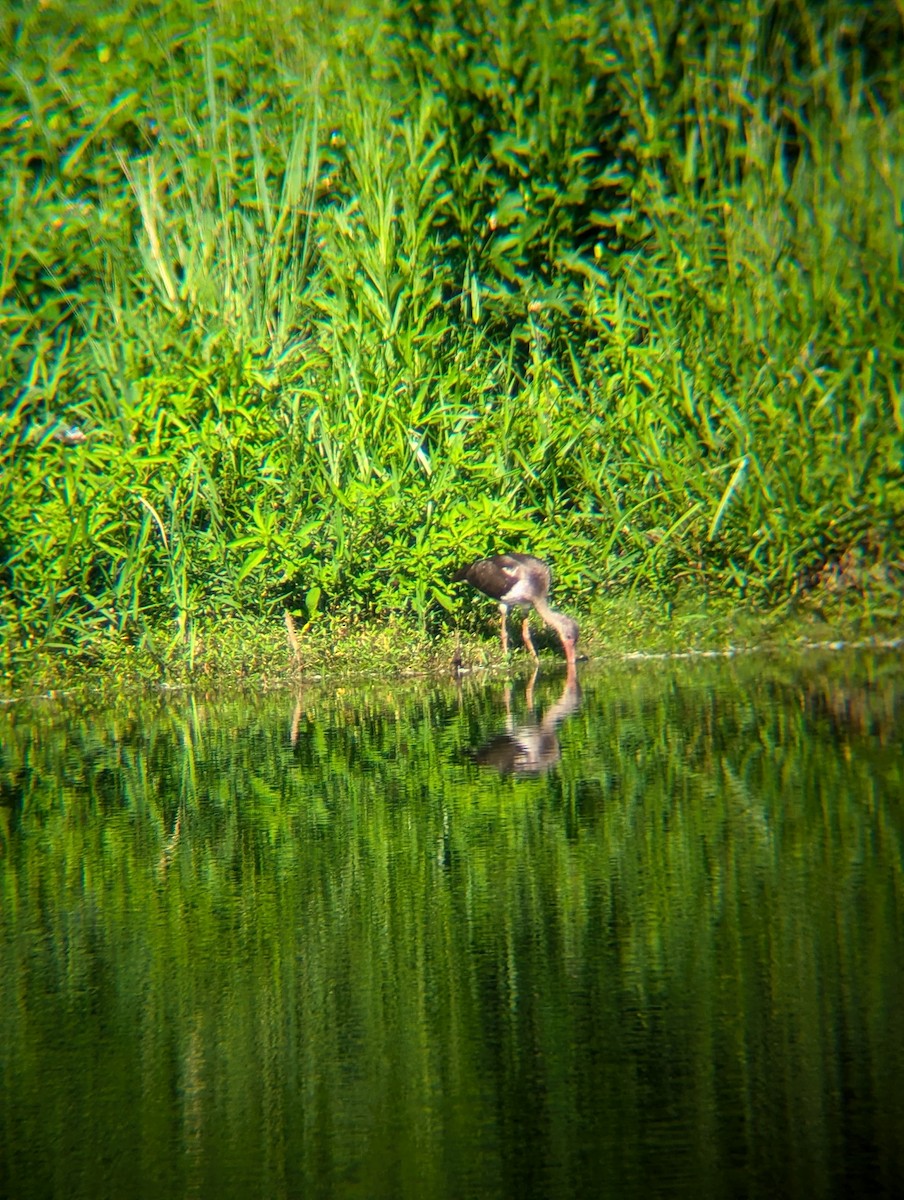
{"x": 337, "y": 306}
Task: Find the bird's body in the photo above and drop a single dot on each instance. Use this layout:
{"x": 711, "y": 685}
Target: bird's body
{"x": 521, "y": 581}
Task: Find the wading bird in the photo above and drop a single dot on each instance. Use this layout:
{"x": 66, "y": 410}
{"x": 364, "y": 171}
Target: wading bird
{"x": 521, "y": 581}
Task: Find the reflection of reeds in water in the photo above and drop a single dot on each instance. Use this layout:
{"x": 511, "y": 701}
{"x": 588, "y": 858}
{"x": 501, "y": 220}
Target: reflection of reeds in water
{"x": 873, "y": 709}
{"x": 170, "y": 846}
{"x": 243, "y": 940}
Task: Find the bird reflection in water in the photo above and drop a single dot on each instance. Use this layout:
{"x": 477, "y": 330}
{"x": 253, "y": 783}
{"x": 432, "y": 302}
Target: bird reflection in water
{"x": 532, "y": 747}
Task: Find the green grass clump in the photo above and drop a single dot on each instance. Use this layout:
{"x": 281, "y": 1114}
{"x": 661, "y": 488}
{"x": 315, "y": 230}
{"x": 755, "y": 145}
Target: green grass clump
{"x": 339, "y": 302}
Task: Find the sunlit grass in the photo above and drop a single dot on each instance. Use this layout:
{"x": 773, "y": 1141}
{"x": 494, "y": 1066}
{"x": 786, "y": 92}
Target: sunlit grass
{"x": 337, "y": 309}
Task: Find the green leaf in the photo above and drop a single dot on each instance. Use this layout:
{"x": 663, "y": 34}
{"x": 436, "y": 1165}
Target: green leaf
{"x": 251, "y": 563}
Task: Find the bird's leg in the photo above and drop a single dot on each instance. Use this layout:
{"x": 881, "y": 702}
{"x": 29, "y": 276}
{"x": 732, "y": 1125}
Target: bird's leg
{"x": 529, "y": 693}
{"x": 503, "y": 608}
{"x": 525, "y": 634}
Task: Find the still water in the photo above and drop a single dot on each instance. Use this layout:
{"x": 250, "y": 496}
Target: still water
{"x": 635, "y": 934}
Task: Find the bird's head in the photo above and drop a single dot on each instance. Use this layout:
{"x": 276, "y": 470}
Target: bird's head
{"x": 569, "y": 633}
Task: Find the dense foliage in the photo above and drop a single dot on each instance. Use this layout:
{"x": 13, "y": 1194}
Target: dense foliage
{"x": 339, "y": 301}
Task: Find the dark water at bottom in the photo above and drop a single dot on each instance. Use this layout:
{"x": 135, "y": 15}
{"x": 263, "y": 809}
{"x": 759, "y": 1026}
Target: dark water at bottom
{"x": 639, "y": 934}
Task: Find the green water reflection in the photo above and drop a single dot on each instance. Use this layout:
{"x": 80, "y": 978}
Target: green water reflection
{"x": 351, "y": 944}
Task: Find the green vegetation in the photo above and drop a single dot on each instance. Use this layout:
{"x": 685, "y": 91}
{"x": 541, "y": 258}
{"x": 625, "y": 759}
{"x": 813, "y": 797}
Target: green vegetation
{"x": 339, "y": 301}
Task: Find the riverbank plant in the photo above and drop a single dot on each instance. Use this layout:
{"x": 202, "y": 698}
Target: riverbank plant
{"x": 339, "y": 302}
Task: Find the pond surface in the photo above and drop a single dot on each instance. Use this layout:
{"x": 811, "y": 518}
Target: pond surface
{"x": 636, "y": 934}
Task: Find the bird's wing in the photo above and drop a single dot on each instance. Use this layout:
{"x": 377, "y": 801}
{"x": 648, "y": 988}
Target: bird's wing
{"x": 494, "y": 576}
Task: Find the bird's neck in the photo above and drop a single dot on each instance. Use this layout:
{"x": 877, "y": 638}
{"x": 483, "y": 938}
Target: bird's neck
{"x": 560, "y": 623}
{"x": 549, "y": 615}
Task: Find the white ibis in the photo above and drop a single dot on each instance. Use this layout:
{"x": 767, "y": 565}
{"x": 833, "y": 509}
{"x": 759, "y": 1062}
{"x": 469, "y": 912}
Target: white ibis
{"x": 521, "y": 581}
